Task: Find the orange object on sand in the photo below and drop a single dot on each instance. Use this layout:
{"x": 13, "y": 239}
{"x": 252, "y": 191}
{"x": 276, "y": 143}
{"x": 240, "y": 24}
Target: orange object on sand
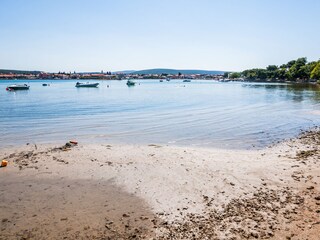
{"x": 73, "y": 142}
{"x": 4, "y": 163}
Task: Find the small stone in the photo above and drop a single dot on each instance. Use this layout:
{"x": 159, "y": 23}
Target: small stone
{"x": 270, "y": 233}
{"x": 237, "y": 219}
{"x": 254, "y": 234}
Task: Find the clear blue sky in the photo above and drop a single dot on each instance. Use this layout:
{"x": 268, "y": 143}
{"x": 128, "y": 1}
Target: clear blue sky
{"x": 109, "y": 35}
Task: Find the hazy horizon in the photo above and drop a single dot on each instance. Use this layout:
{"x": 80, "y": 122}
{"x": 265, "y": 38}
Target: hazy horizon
{"x": 90, "y": 36}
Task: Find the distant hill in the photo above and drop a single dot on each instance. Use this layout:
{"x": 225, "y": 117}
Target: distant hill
{"x": 7, "y": 71}
{"x": 124, "y": 72}
{"x": 176, "y": 71}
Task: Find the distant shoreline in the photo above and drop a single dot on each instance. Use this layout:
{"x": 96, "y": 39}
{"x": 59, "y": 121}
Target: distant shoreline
{"x": 176, "y": 79}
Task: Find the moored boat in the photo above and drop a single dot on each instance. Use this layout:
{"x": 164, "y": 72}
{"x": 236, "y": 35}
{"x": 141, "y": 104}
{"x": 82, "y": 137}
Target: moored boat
{"x": 225, "y": 80}
{"x": 15, "y": 87}
{"x": 187, "y": 80}
{"x": 131, "y": 83}
{"x": 78, "y": 84}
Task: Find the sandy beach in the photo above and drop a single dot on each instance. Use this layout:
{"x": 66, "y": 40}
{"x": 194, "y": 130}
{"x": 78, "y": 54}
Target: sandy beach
{"x": 107, "y": 191}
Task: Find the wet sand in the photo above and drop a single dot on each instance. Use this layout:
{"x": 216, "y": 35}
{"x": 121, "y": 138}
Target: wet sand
{"x": 161, "y": 192}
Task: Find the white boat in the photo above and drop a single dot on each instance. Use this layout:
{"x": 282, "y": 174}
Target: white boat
{"x": 78, "y": 84}
{"x": 15, "y": 87}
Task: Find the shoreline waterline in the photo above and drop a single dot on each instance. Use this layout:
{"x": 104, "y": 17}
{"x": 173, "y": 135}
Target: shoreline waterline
{"x": 254, "y": 146}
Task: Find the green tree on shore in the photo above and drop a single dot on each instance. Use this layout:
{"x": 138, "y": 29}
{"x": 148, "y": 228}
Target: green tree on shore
{"x": 272, "y": 71}
{"x": 315, "y": 73}
{"x": 294, "y": 70}
{"x": 297, "y": 70}
{"x": 234, "y": 75}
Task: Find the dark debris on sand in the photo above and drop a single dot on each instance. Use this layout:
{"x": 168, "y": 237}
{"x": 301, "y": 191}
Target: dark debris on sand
{"x": 255, "y": 217}
{"x": 29, "y": 159}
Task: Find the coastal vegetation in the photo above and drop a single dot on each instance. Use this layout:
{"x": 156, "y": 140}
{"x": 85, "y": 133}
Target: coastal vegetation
{"x": 298, "y": 70}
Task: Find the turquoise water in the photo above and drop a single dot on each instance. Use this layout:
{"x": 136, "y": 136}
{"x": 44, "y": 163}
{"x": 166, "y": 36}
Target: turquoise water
{"x": 200, "y": 113}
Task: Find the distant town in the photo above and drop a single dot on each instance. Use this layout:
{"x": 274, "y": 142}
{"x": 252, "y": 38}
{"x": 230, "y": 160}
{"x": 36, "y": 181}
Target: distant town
{"x": 105, "y": 75}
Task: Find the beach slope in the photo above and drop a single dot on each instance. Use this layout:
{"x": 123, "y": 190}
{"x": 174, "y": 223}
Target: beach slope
{"x": 161, "y": 192}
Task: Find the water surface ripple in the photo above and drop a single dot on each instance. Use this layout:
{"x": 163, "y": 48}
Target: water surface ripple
{"x": 200, "y": 113}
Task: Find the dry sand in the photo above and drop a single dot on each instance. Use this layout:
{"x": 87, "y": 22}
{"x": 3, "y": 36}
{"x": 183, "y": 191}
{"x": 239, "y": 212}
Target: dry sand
{"x": 161, "y": 192}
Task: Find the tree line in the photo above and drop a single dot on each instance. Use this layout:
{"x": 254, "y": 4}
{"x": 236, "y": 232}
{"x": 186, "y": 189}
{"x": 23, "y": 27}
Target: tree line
{"x": 295, "y": 70}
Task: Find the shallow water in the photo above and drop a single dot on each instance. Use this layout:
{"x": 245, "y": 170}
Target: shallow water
{"x": 200, "y": 113}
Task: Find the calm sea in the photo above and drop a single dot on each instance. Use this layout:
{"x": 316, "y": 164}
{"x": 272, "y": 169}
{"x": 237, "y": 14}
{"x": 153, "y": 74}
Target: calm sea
{"x": 199, "y": 113}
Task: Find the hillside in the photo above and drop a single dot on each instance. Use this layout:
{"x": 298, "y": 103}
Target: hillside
{"x": 7, "y": 71}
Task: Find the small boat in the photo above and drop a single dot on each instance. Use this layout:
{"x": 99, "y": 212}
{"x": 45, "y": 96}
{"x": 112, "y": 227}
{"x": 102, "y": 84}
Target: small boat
{"x": 45, "y": 84}
{"x": 161, "y": 80}
{"x": 225, "y": 80}
{"x": 131, "y": 83}
{"x": 15, "y": 87}
{"x": 187, "y": 80}
{"x": 168, "y": 79}
{"x": 78, "y": 84}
